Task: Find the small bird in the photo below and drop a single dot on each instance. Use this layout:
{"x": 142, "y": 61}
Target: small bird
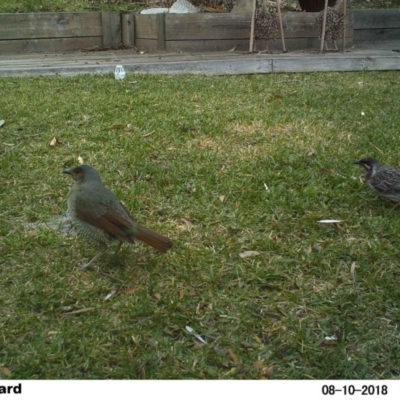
{"x": 266, "y": 23}
{"x": 101, "y": 218}
{"x": 384, "y": 181}
{"x": 333, "y": 28}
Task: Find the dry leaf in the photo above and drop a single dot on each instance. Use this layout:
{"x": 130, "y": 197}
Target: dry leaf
{"x": 330, "y": 340}
{"x": 186, "y": 221}
{"x": 190, "y": 189}
{"x": 129, "y": 291}
{"x": 267, "y": 372}
{"x": 80, "y": 160}
{"x": 82, "y": 310}
{"x": 234, "y": 357}
{"x": 249, "y": 253}
{"x": 222, "y": 199}
{"x": 118, "y": 126}
{"x": 353, "y": 270}
{"x": 148, "y": 134}
{"x": 111, "y": 294}
{"x": 311, "y": 152}
{"x": 54, "y": 141}
{"x": 5, "y": 371}
{"x": 2, "y": 122}
{"x": 257, "y": 339}
{"x": 181, "y": 295}
{"x": 157, "y": 295}
{"x": 32, "y": 233}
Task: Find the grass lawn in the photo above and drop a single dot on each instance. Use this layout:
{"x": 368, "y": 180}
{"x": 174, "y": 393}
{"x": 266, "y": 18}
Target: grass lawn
{"x": 193, "y": 157}
{"x": 11, "y": 6}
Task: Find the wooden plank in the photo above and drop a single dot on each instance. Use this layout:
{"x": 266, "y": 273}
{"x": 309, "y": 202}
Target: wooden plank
{"x": 128, "y": 29}
{"x": 49, "y": 25}
{"x": 301, "y": 25}
{"x": 331, "y": 63}
{"x": 111, "y": 23}
{"x": 246, "y": 65}
{"x": 146, "y": 44}
{"x": 372, "y": 35}
{"x": 145, "y": 26}
{"x": 369, "y": 57}
{"x": 160, "y": 21}
{"x": 292, "y": 44}
{"x": 58, "y": 45}
{"x": 207, "y": 45}
{"x": 209, "y": 67}
{"x": 206, "y": 26}
{"x": 372, "y": 19}
{"x": 297, "y": 44}
{"x": 228, "y": 26}
{"x": 222, "y": 32}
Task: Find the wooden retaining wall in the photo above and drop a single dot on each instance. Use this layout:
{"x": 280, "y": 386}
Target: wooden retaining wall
{"x": 63, "y": 32}
{"x": 222, "y": 32}
{"x": 373, "y": 25}
{"x": 58, "y": 32}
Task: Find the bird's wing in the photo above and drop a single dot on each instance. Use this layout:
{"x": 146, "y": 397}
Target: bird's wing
{"x": 105, "y": 217}
{"x": 388, "y": 181}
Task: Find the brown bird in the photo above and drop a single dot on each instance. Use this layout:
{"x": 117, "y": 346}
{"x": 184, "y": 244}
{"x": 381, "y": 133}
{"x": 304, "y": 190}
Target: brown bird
{"x": 101, "y": 218}
{"x": 384, "y": 181}
{"x": 333, "y": 28}
{"x": 266, "y": 23}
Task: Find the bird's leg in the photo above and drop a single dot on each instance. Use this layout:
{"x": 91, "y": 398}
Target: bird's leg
{"x": 266, "y": 49}
{"x": 98, "y": 255}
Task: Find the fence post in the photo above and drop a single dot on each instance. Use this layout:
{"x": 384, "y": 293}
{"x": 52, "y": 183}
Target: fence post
{"x": 111, "y": 24}
{"x": 128, "y": 29}
{"x": 160, "y": 23}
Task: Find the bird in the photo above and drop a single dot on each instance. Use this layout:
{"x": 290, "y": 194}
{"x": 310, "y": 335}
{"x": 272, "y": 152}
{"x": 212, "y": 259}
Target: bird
{"x": 384, "y": 181}
{"x": 334, "y": 25}
{"x": 266, "y": 22}
{"x": 98, "y": 215}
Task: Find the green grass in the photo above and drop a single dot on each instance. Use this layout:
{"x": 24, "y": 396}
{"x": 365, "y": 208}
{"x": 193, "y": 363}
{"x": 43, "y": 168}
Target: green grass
{"x": 171, "y": 147}
{"x": 12, "y": 6}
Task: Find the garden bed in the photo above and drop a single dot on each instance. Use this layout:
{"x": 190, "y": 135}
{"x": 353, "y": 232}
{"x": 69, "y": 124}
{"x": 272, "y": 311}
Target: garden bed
{"x": 223, "y": 32}
{"x": 64, "y": 32}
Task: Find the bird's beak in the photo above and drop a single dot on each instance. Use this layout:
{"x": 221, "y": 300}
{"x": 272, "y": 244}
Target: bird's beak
{"x": 67, "y": 171}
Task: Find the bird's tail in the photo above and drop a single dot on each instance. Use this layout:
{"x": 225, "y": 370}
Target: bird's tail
{"x": 154, "y": 239}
